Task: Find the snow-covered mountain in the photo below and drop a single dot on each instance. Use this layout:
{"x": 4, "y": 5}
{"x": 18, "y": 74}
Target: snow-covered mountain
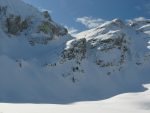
{"x": 41, "y": 62}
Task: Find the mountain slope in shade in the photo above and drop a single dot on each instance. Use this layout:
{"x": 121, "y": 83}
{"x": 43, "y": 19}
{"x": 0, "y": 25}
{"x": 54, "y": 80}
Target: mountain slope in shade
{"x": 129, "y": 102}
{"x": 41, "y": 63}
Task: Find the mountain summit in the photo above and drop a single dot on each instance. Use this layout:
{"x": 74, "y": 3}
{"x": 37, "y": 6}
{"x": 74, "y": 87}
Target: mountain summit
{"x": 40, "y": 62}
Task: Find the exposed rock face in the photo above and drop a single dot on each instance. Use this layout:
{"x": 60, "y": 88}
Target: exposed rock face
{"x": 47, "y": 15}
{"x": 3, "y": 10}
{"x": 48, "y": 27}
{"x": 39, "y": 28}
{"x": 76, "y": 50}
{"x": 108, "y": 46}
{"x": 15, "y": 24}
{"x": 46, "y": 32}
{"x": 118, "y": 45}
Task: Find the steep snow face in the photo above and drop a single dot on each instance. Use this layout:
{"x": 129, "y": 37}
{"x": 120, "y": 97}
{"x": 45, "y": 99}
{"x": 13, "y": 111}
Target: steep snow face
{"x": 16, "y": 16}
{"x": 38, "y": 58}
{"x": 141, "y": 25}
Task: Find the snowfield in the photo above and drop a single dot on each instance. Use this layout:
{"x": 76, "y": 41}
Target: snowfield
{"x": 102, "y": 70}
{"x": 124, "y": 103}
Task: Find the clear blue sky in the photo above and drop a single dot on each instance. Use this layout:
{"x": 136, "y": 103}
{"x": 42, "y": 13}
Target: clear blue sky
{"x": 66, "y": 11}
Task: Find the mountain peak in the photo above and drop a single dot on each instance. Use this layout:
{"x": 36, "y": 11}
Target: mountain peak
{"x": 35, "y": 64}
{"x": 18, "y": 7}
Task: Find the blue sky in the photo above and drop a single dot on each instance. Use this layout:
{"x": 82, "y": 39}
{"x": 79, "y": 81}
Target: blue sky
{"x": 66, "y": 12}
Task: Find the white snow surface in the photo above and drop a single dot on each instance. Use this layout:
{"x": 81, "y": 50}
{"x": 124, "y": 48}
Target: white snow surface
{"x": 124, "y": 103}
{"x": 101, "y": 70}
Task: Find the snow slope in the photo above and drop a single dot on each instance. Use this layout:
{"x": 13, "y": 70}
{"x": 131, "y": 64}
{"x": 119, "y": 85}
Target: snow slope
{"x": 141, "y": 24}
{"x": 124, "y": 103}
{"x": 41, "y": 63}
{"x": 18, "y": 7}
